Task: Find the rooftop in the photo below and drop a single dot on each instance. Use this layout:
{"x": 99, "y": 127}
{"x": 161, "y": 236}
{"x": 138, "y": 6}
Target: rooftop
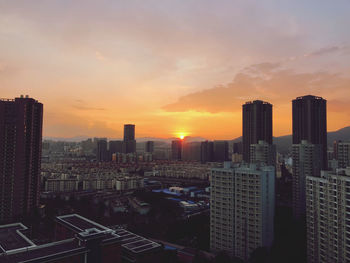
{"x": 79, "y": 224}
{"x": 12, "y": 238}
{"x": 44, "y": 252}
{"x": 135, "y": 243}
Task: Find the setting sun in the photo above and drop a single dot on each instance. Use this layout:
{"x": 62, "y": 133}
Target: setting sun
{"x": 181, "y": 135}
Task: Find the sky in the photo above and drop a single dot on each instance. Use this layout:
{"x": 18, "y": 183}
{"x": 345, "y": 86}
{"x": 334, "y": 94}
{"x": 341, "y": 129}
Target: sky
{"x": 173, "y": 67}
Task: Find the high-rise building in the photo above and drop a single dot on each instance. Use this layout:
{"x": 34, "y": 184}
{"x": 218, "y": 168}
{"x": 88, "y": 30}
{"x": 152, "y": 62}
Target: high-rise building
{"x": 129, "y": 145}
{"x": 207, "y": 152}
{"x": 115, "y": 147}
{"x": 149, "y": 146}
{"x": 191, "y": 151}
{"x": 257, "y": 125}
{"x": 306, "y": 162}
{"x": 310, "y": 123}
{"x": 102, "y": 153}
{"x": 176, "y": 150}
{"x": 343, "y": 154}
{"x": 327, "y": 217}
{"x": 20, "y": 156}
{"x": 262, "y": 152}
{"x": 220, "y": 150}
{"x": 242, "y": 203}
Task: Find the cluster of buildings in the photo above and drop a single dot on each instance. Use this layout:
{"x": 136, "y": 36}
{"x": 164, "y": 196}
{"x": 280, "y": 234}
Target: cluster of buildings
{"x": 68, "y": 181}
{"x": 205, "y": 151}
{"x": 243, "y": 194}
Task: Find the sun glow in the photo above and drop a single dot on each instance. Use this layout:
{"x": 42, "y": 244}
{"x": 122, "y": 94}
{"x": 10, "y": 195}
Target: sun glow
{"x": 181, "y": 135}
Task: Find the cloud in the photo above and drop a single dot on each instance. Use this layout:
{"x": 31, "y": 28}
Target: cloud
{"x": 266, "y": 81}
{"x": 326, "y": 51}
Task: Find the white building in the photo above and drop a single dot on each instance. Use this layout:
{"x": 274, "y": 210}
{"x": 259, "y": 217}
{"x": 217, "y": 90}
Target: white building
{"x": 242, "y": 203}
{"x": 328, "y": 217}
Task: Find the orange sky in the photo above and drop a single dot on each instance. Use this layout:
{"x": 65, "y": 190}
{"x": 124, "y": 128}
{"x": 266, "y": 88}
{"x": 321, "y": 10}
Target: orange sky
{"x": 173, "y": 68}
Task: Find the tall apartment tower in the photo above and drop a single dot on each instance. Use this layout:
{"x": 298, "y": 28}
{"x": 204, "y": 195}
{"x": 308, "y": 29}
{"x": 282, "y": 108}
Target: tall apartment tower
{"x": 149, "y": 146}
{"x": 20, "y": 156}
{"x": 327, "y": 217}
{"x": 257, "y": 125}
{"x": 309, "y": 146}
{"x": 306, "y": 162}
{"x": 102, "y": 152}
{"x": 242, "y": 203}
{"x": 207, "y": 151}
{"x": 176, "y": 150}
{"x": 220, "y": 150}
{"x": 129, "y": 144}
{"x": 310, "y": 123}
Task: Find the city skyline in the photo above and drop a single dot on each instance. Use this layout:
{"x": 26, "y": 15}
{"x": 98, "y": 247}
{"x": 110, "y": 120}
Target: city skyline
{"x": 96, "y": 68}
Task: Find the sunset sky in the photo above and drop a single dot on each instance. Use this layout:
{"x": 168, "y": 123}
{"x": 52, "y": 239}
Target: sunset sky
{"x": 173, "y": 66}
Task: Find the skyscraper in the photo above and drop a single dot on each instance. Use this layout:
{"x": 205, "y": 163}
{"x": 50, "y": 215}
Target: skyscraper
{"x": 309, "y": 146}
{"x": 102, "y": 153}
{"x": 257, "y": 125}
{"x": 149, "y": 146}
{"x": 262, "y": 152}
{"x": 207, "y": 152}
{"x": 20, "y": 156}
{"x": 310, "y": 123}
{"x": 129, "y": 143}
{"x": 176, "y": 150}
{"x": 220, "y": 149}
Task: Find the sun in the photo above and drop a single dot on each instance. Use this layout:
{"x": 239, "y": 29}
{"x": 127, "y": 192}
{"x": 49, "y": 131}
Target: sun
{"x": 181, "y": 135}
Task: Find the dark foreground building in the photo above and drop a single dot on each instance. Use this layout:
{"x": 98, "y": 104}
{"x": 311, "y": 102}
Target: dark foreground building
{"x": 20, "y": 156}
{"x": 78, "y": 240}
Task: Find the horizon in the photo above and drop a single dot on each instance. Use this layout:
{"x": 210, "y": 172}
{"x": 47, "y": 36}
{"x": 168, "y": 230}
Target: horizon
{"x": 174, "y": 69}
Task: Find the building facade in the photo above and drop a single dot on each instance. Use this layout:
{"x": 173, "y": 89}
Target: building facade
{"x": 20, "y": 156}
{"x": 263, "y": 152}
{"x": 306, "y": 162}
{"x": 328, "y": 217}
{"x": 310, "y": 123}
{"x": 129, "y": 143}
{"x": 242, "y": 203}
{"x": 257, "y": 125}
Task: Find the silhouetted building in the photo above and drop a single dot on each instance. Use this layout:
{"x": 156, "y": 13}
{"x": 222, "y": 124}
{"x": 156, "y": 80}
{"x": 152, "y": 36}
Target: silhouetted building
{"x": 237, "y": 148}
{"x": 176, "y": 150}
{"x": 102, "y": 153}
{"x": 309, "y": 146}
{"x": 129, "y": 145}
{"x": 149, "y": 146}
{"x": 191, "y": 151}
{"x": 257, "y": 125}
{"x": 207, "y": 152}
{"x": 115, "y": 147}
{"x": 310, "y": 123}
{"x": 220, "y": 151}
{"x": 20, "y": 156}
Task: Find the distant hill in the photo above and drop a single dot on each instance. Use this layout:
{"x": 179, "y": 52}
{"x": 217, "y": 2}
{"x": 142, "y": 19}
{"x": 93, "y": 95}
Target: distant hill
{"x": 284, "y": 143}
